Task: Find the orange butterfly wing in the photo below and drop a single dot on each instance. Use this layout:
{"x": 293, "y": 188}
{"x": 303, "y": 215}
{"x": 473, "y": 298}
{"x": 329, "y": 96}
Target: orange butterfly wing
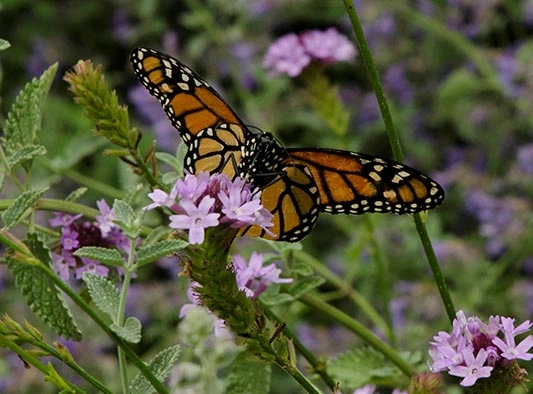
{"x": 356, "y": 183}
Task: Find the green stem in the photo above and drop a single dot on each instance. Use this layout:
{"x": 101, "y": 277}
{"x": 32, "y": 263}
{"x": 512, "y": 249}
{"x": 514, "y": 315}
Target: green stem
{"x": 138, "y": 362}
{"x": 397, "y": 151}
{"x": 346, "y": 288}
{"x": 91, "y": 183}
{"x": 317, "y": 366}
{"x": 358, "y": 329}
{"x": 30, "y": 359}
{"x": 375, "y": 80}
{"x": 130, "y": 266}
{"x": 435, "y": 268}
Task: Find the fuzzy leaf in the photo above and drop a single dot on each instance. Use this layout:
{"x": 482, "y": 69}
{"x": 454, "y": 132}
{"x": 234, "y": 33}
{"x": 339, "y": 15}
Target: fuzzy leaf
{"x": 15, "y": 212}
{"x": 104, "y": 255}
{"x": 103, "y": 293}
{"x": 305, "y": 285}
{"x": 25, "y": 153}
{"x": 364, "y": 366}
{"x": 126, "y": 218}
{"x": 160, "y": 367}
{"x": 40, "y": 293}
{"x": 248, "y": 375}
{"x": 23, "y": 122}
{"x": 158, "y": 250}
{"x": 130, "y": 331}
{"x": 4, "y": 44}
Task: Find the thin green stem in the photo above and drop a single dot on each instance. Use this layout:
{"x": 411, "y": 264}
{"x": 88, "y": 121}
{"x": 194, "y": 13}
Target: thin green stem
{"x": 359, "y": 330}
{"x": 397, "y": 151}
{"x": 130, "y": 266}
{"x": 30, "y": 359}
{"x": 346, "y": 288}
{"x": 435, "y": 268}
{"x": 316, "y": 365}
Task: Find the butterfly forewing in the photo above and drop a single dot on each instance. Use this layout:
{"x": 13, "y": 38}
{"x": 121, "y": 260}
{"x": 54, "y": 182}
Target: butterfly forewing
{"x": 191, "y": 104}
{"x": 355, "y": 183}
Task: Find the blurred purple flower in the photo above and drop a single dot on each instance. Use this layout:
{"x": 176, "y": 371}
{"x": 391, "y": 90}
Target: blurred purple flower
{"x": 151, "y": 112}
{"x": 368, "y": 389}
{"x": 287, "y": 55}
{"x": 291, "y": 53}
{"x": 252, "y": 277}
{"x": 397, "y": 84}
{"x": 524, "y": 158}
{"x": 122, "y": 29}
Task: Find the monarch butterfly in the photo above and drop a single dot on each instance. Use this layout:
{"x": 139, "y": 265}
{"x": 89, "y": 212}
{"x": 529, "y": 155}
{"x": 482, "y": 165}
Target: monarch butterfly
{"x": 296, "y": 183}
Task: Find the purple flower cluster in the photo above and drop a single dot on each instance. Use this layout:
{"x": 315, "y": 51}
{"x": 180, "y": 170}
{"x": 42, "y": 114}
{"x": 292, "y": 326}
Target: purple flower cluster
{"x": 76, "y": 234}
{"x": 291, "y": 53}
{"x": 252, "y": 277}
{"x": 473, "y": 350}
{"x": 203, "y": 200}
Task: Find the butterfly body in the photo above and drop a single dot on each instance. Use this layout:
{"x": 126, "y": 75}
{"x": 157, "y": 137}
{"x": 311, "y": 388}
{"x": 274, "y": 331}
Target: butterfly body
{"x": 296, "y": 183}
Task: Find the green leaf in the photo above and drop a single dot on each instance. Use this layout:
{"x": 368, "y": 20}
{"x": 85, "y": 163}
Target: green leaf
{"x": 127, "y": 220}
{"x": 103, "y": 293}
{"x": 25, "y": 153}
{"x": 277, "y": 299}
{"x": 15, "y": 212}
{"x": 130, "y": 331}
{"x": 305, "y": 285}
{"x": 76, "y": 194}
{"x": 158, "y": 250}
{"x": 104, "y": 255}
{"x": 40, "y": 292}
{"x": 156, "y": 234}
{"x": 160, "y": 367}
{"x": 248, "y": 375}
{"x": 23, "y": 122}
{"x": 364, "y": 366}
{"x": 172, "y": 161}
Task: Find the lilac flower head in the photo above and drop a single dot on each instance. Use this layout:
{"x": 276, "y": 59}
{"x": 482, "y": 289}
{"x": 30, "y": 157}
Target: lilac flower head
{"x": 329, "y": 46}
{"x": 287, "y": 55}
{"x": 475, "y": 349}
{"x": 202, "y": 201}
{"x": 76, "y": 233}
{"x": 291, "y": 53}
{"x": 253, "y": 278}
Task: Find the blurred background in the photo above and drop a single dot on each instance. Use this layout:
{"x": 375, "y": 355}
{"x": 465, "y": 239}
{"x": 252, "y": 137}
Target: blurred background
{"x": 459, "y": 79}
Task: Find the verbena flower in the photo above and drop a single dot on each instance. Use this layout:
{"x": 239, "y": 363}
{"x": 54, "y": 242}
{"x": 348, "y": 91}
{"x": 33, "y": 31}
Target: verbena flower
{"x": 474, "y": 350}
{"x": 202, "y": 201}
{"x": 291, "y": 53}
{"x": 76, "y": 233}
{"x": 252, "y": 277}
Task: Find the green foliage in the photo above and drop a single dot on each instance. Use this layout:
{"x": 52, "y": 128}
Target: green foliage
{"x": 23, "y": 123}
{"x": 17, "y": 210}
{"x": 248, "y": 375}
{"x": 130, "y": 331}
{"x": 160, "y": 366}
{"x": 104, "y": 255}
{"x": 158, "y": 250}
{"x": 129, "y": 221}
{"x": 357, "y": 368}
{"x": 103, "y": 293}
{"x": 40, "y": 292}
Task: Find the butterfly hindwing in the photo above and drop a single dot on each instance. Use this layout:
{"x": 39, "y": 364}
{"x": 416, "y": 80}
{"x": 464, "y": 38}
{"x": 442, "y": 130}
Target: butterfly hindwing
{"x": 356, "y": 183}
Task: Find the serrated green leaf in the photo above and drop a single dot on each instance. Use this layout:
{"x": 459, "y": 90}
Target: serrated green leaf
{"x": 364, "y": 366}
{"x": 277, "y": 299}
{"x": 160, "y": 367}
{"x": 159, "y": 250}
{"x": 156, "y": 234}
{"x": 25, "y": 153}
{"x": 103, "y": 293}
{"x": 302, "y": 269}
{"x": 23, "y": 122}
{"x": 15, "y": 212}
{"x": 305, "y": 285}
{"x": 43, "y": 297}
{"x": 125, "y": 217}
{"x": 4, "y": 44}
{"x": 248, "y": 375}
{"x": 130, "y": 331}
{"x": 104, "y": 255}
{"x": 172, "y": 161}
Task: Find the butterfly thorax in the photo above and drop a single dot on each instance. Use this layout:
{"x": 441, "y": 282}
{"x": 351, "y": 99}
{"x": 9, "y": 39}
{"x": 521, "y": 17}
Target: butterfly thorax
{"x": 262, "y": 156}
